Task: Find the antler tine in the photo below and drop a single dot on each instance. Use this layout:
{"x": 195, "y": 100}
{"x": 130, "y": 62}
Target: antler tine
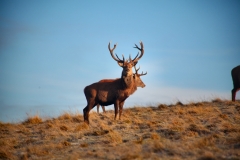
{"x": 120, "y": 59}
{"x": 140, "y": 49}
{"x": 142, "y": 74}
{"x": 111, "y": 52}
{"x": 136, "y": 70}
{"x": 136, "y": 55}
{"x": 136, "y": 46}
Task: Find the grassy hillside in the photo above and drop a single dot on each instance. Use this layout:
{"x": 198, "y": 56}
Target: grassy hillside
{"x": 204, "y": 130}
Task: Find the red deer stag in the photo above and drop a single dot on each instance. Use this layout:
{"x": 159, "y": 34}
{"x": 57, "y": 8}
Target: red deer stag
{"x": 137, "y": 80}
{"x": 236, "y": 81}
{"x": 115, "y": 92}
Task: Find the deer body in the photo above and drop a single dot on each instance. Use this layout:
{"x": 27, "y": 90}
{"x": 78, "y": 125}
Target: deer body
{"x": 107, "y": 93}
{"x": 236, "y": 81}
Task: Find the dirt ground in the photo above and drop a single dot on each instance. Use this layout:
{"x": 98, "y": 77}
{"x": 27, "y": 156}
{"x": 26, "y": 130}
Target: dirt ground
{"x": 202, "y": 131}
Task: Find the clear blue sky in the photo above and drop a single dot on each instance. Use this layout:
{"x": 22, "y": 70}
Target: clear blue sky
{"x": 51, "y": 50}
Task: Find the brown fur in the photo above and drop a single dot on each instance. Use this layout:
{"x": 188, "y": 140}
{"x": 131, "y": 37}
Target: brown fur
{"x": 103, "y": 107}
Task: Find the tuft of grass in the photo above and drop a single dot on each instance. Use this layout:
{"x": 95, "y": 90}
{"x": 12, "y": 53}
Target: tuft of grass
{"x": 64, "y": 128}
{"x": 24, "y": 157}
{"x": 65, "y": 116}
{"x": 84, "y": 145}
{"x": 217, "y": 100}
{"x": 49, "y": 125}
{"x": 162, "y": 106}
{"x": 127, "y": 121}
{"x": 66, "y": 143}
{"x": 114, "y": 137}
{"x": 207, "y": 156}
{"x": 204, "y": 142}
{"x": 179, "y": 103}
{"x": 158, "y": 146}
{"x": 3, "y": 125}
{"x": 33, "y": 120}
{"x": 155, "y": 136}
{"x": 98, "y": 132}
{"x": 139, "y": 140}
{"x": 77, "y": 118}
{"x": 82, "y": 126}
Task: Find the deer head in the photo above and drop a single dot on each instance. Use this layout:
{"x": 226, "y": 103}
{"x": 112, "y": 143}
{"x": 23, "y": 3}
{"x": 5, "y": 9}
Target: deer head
{"x": 127, "y": 64}
{"x": 137, "y": 78}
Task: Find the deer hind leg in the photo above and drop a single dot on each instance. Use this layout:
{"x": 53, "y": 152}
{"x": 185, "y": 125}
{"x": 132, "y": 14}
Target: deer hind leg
{"x": 233, "y": 95}
{"x": 86, "y": 114}
{"x": 86, "y": 110}
{"x": 234, "y": 92}
{"x": 98, "y": 108}
{"x": 103, "y": 108}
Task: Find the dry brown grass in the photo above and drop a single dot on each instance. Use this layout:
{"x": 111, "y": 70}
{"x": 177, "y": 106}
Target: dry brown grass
{"x": 34, "y": 120}
{"x": 203, "y": 130}
{"x": 82, "y": 126}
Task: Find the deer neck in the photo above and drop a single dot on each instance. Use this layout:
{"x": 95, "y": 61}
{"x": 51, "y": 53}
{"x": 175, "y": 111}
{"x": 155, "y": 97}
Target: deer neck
{"x": 127, "y": 81}
{"x": 133, "y": 87}
{"x": 129, "y": 84}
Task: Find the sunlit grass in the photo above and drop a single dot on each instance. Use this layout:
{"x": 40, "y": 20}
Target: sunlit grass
{"x": 204, "y": 130}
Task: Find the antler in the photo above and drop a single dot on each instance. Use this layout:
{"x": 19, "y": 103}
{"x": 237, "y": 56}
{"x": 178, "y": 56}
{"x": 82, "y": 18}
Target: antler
{"x": 111, "y": 52}
{"x": 136, "y": 72}
{"x": 140, "y": 49}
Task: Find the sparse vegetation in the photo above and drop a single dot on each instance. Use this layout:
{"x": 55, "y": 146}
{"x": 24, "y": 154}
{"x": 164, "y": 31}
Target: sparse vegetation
{"x": 204, "y": 130}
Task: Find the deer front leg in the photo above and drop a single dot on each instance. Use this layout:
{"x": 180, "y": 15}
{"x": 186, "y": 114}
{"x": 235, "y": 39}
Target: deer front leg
{"x": 116, "y": 106}
{"x": 120, "y": 109}
{"x": 233, "y": 95}
{"x": 98, "y": 105}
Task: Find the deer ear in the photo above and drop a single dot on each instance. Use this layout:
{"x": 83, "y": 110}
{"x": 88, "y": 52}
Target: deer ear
{"x": 120, "y": 64}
